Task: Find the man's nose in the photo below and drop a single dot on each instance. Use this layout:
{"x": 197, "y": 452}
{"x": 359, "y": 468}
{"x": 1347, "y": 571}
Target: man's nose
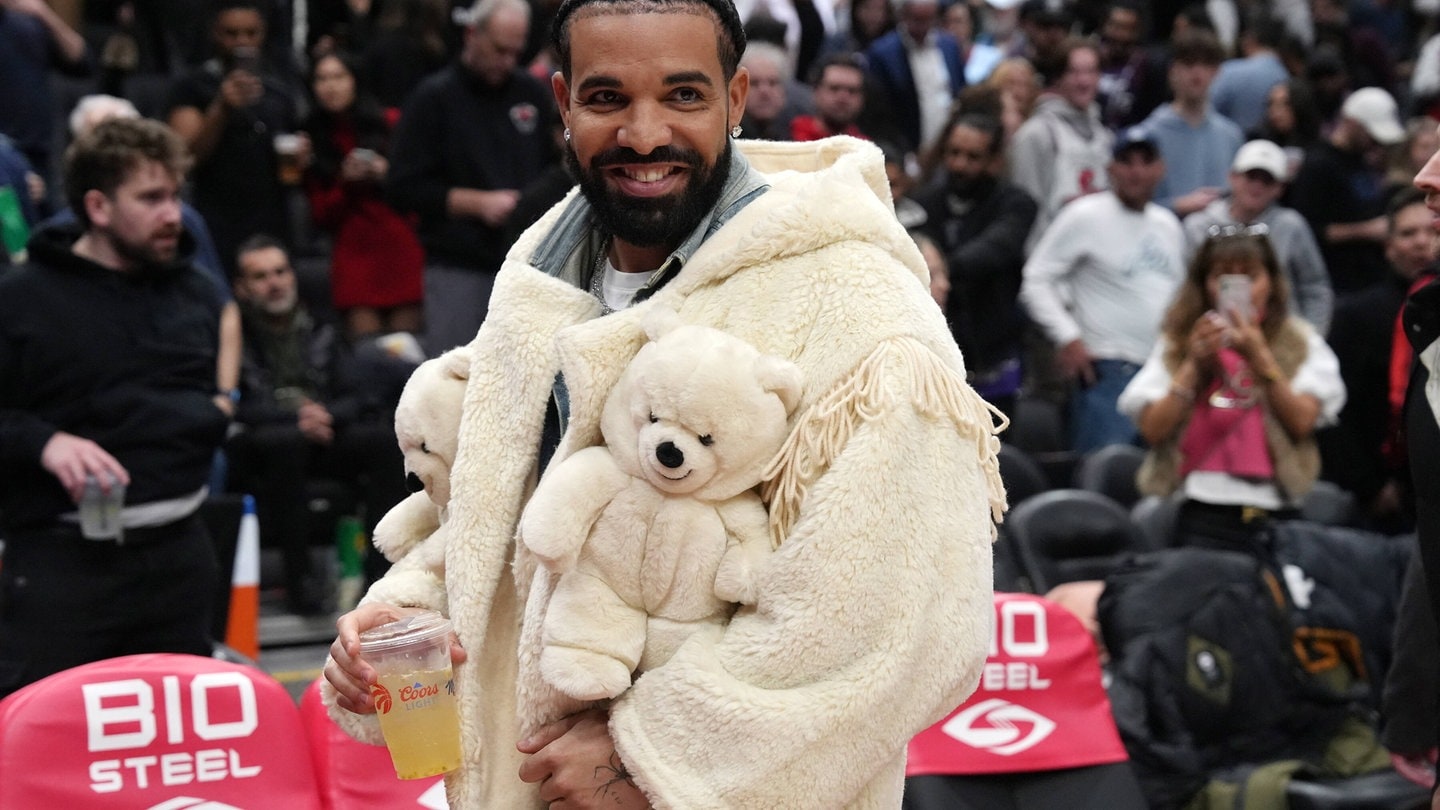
{"x": 646, "y": 129}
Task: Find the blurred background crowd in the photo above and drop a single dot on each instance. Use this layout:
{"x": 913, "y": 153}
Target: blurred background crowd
{"x": 1077, "y": 173}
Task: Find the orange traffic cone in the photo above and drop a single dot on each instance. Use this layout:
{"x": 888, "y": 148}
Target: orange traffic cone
{"x": 242, "y": 629}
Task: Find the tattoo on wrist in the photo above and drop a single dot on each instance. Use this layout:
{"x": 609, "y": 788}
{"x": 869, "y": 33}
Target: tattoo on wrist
{"x": 617, "y": 773}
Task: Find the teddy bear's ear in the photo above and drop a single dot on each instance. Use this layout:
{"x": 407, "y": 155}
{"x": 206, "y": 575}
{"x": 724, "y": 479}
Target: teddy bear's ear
{"x": 780, "y": 377}
{"x": 660, "y": 322}
{"x": 457, "y": 362}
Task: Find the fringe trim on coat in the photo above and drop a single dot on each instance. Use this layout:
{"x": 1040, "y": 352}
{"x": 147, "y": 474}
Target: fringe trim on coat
{"x": 822, "y": 432}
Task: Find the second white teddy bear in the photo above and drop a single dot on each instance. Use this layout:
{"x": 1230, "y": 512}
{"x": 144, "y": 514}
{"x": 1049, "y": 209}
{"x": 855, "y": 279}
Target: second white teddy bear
{"x": 657, "y": 533}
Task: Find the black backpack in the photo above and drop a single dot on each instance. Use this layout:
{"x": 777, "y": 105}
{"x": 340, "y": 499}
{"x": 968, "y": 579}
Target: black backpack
{"x": 1205, "y": 674}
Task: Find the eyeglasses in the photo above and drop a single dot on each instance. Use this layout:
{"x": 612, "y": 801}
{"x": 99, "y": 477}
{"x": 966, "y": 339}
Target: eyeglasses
{"x": 1222, "y": 231}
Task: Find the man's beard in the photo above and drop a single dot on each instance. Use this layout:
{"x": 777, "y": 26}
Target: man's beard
{"x": 147, "y": 255}
{"x": 652, "y": 221}
{"x": 969, "y": 187}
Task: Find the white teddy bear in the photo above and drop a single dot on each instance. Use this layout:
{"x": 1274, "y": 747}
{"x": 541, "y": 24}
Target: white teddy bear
{"x": 656, "y": 533}
{"x": 427, "y": 425}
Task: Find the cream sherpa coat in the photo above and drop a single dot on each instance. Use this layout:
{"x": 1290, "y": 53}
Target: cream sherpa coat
{"x": 874, "y": 616}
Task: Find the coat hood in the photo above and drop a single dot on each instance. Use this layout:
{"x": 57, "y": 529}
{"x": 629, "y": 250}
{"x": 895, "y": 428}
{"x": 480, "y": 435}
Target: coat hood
{"x": 54, "y": 247}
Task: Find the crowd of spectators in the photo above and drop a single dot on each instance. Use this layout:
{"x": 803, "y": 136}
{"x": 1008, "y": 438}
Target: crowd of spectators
{"x": 1061, "y": 162}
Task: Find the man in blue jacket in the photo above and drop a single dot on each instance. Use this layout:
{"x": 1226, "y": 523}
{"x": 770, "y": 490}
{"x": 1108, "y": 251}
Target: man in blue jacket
{"x": 917, "y": 69}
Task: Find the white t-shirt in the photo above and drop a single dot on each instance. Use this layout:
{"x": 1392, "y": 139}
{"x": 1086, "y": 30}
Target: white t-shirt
{"x": 1318, "y": 376}
{"x": 1105, "y": 274}
{"x": 619, "y": 288}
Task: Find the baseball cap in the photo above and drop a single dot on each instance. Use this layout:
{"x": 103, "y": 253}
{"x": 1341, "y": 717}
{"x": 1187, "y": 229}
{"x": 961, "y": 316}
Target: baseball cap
{"x": 1134, "y": 138}
{"x": 1375, "y": 110}
{"x": 1263, "y": 155}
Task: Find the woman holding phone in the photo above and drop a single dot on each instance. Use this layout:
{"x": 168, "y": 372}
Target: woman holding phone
{"x": 1231, "y": 396}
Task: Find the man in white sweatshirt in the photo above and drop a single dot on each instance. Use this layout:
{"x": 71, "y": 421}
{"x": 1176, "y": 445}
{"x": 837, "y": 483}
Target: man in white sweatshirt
{"x": 1098, "y": 283}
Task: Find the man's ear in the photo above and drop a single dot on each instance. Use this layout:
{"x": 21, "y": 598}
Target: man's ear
{"x": 739, "y": 91}
{"x": 561, "y": 89}
{"x": 97, "y": 207}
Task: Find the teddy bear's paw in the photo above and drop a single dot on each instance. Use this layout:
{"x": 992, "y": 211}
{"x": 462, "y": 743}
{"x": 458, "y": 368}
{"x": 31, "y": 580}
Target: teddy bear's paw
{"x": 584, "y": 674}
{"x": 733, "y": 588}
{"x": 735, "y": 581}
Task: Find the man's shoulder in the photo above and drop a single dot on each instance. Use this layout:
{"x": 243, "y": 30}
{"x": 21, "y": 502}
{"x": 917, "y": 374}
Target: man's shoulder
{"x": 521, "y": 81}
{"x": 194, "y": 87}
{"x": 886, "y": 48}
{"x": 1283, "y": 220}
{"x": 1008, "y": 194}
{"x": 1222, "y": 124}
{"x": 24, "y": 287}
{"x": 1165, "y": 220}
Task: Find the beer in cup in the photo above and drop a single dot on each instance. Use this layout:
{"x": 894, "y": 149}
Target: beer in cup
{"x": 287, "y": 151}
{"x": 414, "y": 693}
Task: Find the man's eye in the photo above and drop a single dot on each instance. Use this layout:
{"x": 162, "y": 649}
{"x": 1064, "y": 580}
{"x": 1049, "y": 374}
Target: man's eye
{"x": 687, "y": 94}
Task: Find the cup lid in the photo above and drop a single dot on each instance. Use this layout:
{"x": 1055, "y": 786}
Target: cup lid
{"x": 419, "y": 628}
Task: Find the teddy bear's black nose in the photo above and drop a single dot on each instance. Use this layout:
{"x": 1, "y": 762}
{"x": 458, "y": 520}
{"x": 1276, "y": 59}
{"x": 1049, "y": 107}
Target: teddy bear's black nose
{"x": 670, "y": 455}
{"x": 413, "y": 482}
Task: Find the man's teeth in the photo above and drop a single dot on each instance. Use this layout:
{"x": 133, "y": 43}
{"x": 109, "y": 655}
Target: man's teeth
{"x": 646, "y": 175}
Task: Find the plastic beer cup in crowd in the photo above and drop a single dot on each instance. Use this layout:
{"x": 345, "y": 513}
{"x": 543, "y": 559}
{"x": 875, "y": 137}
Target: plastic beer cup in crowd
{"x": 100, "y": 510}
{"x": 414, "y": 693}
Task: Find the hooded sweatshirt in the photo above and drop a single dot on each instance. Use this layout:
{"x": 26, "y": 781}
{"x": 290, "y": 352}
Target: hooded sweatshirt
{"x": 126, "y": 360}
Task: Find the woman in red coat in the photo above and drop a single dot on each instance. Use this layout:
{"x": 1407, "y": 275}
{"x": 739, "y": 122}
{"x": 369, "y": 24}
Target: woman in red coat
{"x": 376, "y": 265}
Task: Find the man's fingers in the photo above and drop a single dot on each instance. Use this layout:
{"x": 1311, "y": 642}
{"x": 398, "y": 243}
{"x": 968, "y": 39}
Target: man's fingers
{"x": 548, "y": 734}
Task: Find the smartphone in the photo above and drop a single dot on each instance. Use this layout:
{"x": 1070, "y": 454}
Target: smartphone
{"x": 1234, "y": 296}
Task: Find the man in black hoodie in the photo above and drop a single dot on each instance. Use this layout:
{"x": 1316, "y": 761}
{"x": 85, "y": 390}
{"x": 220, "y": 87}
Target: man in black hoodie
{"x": 108, "y": 344}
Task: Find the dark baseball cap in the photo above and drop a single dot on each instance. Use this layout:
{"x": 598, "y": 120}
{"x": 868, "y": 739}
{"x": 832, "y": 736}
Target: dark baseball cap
{"x": 1135, "y": 138}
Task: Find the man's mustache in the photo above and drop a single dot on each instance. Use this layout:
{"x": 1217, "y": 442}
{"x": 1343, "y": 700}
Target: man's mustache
{"x": 624, "y": 155}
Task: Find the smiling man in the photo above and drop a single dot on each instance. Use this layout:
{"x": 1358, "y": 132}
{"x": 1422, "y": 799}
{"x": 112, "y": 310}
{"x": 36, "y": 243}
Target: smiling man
{"x": 107, "y": 371}
{"x": 795, "y": 248}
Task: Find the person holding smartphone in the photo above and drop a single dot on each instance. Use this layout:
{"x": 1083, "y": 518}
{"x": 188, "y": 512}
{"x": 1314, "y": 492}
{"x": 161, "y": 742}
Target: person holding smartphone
{"x": 1231, "y": 396}
{"x": 229, "y": 111}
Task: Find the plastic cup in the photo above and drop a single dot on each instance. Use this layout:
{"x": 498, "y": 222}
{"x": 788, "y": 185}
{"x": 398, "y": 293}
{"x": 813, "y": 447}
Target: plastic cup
{"x": 100, "y": 510}
{"x": 287, "y": 148}
{"x": 414, "y": 693}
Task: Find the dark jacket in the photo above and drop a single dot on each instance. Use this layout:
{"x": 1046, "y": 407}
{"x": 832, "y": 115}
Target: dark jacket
{"x": 354, "y": 385}
{"x": 983, "y": 239}
{"x": 889, "y": 66}
{"x": 458, "y": 132}
{"x": 126, "y": 360}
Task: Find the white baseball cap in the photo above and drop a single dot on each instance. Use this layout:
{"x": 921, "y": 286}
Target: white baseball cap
{"x": 1263, "y": 155}
{"x": 1376, "y": 111}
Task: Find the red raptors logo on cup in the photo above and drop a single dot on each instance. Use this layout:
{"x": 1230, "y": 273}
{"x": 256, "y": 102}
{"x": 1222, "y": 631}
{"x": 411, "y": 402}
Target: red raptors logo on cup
{"x": 382, "y": 698}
